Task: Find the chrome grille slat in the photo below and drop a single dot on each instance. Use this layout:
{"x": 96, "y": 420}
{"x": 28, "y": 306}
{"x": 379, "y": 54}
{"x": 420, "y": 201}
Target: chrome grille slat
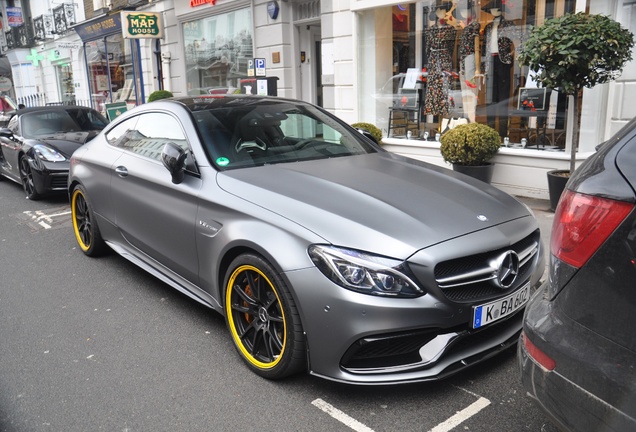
{"x": 471, "y": 278}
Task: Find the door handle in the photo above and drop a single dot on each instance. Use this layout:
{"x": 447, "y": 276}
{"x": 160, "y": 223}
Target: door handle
{"x": 121, "y": 171}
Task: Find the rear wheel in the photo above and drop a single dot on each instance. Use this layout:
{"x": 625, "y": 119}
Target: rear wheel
{"x": 85, "y": 227}
{"x": 26, "y": 177}
{"x": 262, "y": 318}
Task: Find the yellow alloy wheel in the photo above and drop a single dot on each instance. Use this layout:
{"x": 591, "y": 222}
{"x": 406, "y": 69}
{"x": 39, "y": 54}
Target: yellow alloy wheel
{"x": 256, "y": 317}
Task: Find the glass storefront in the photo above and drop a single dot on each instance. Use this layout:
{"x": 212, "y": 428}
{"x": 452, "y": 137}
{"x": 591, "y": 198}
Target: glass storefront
{"x": 111, "y": 71}
{"x": 217, "y": 50}
{"x": 66, "y": 83}
{"x": 424, "y": 64}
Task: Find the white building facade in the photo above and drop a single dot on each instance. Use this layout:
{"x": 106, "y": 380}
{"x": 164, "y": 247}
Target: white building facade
{"x": 363, "y": 60}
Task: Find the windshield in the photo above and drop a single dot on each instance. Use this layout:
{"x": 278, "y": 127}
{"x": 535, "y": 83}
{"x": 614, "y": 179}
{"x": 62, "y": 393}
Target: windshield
{"x": 46, "y": 123}
{"x": 253, "y": 134}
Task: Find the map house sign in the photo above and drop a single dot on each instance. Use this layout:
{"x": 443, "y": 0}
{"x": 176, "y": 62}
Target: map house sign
{"x": 141, "y": 25}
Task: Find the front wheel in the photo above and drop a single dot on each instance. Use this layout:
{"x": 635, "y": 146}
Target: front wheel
{"x": 263, "y": 319}
{"x": 26, "y": 177}
{"x": 85, "y": 227}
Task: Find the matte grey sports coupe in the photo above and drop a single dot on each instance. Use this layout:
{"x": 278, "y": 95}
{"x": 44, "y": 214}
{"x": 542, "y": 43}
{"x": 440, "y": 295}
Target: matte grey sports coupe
{"x": 323, "y": 251}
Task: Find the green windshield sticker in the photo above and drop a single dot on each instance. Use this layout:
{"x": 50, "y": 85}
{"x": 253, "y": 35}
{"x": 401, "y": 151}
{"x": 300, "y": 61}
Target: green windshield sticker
{"x": 222, "y": 161}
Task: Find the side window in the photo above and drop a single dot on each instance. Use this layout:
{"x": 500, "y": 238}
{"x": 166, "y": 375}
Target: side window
{"x": 153, "y": 131}
{"x": 96, "y": 120}
{"x": 121, "y": 134}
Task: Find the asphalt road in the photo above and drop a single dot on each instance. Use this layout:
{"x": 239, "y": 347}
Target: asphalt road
{"x": 99, "y": 345}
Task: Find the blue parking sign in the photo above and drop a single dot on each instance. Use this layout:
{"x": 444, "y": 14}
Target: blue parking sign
{"x": 259, "y": 65}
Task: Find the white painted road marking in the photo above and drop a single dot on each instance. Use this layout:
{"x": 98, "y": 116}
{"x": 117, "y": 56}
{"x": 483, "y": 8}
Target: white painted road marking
{"x": 462, "y": 415}
{"x": 39, "y": 219}
{"x": 340, "y": 416}
{"x": 451, "y": 423}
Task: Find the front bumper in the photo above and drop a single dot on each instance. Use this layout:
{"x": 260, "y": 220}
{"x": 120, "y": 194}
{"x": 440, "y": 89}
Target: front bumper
{"x": 49, "y": 176}
{"x": 363, "y": 339}
{"x": 592, "y": 385}
{"x": 436, "y": 336}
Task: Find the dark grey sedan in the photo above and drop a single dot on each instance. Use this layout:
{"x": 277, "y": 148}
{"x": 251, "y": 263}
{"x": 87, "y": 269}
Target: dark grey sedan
{"x": 323, "y": 252}
{"x": 36, "y": 145}
{"x": 578, "y": 356}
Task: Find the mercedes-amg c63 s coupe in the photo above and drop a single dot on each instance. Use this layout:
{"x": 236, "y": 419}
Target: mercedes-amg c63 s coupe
{"x": 324, "y": 252}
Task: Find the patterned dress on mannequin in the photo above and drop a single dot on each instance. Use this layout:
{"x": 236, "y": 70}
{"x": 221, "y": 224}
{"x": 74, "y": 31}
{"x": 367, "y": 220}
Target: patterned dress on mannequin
{"x": 440, "y": 42}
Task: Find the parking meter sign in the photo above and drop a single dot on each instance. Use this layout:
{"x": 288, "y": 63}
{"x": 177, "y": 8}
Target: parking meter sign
{"x": 259, "y": 64}
{"x": 250, "y": 68}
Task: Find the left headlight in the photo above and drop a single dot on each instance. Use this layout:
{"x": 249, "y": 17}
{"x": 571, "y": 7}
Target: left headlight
{"x": 363, "y": 272}
{"x": 48, "y": 154}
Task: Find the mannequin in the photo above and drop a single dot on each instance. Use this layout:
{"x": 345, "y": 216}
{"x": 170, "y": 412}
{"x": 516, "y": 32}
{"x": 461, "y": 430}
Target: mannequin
{"x": 469, "y": 56}
{"x": 439, "y": 45}
{"x": 499, "y": 56}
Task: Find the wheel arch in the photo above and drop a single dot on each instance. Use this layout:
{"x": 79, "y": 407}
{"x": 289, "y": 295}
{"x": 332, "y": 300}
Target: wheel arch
{"x": 72, "y": 186}
{"x": 232, "y": 253}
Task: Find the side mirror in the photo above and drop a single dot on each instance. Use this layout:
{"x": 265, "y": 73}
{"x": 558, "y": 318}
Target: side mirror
{"x": 368, "y": 135}
{"x": 6, "y": 133}
{"x": 173, "y": 158}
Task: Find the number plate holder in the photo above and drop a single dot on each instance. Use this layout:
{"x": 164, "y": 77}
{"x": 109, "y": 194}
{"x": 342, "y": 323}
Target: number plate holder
{"x": 488, "y": 313}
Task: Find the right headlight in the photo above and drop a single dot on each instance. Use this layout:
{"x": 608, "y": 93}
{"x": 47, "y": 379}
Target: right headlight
{"x": 364, "y": 272}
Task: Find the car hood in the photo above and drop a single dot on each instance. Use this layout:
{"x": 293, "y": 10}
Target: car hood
{"x": 66, "y": 142}
{"x": 381, "y": 203}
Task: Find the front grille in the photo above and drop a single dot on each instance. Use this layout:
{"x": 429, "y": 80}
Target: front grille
{"x": 58, "y": 181}
{"x": 471, "y": 278}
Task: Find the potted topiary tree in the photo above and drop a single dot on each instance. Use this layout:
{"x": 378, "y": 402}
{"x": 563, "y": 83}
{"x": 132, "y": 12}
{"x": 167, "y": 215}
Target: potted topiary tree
{"x": 570, "y": 53}
{"x": 469, "y": 148}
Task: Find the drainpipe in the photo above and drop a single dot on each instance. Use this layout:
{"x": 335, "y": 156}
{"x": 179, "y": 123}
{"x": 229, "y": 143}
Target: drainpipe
{"x": 165, "y": 60}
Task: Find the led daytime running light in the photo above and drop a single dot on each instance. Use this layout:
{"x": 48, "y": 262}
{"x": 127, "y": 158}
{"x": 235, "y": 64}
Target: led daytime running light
{"x": 362, "y": 272}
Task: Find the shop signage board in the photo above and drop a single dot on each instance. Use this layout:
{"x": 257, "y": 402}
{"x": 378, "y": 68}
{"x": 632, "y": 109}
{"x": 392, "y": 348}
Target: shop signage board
{"x": 98, "y": 28}
{"x": 141, "y": 25}
{"x": 68, "y": 45}
{"x": 114, "y": 110}
{"x": 14, "y": 16}
{"x": 195, "y": 3}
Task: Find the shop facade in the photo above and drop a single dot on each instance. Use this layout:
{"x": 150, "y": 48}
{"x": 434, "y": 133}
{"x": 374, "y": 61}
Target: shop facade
{"x": 113, "y": 63}
{"x": 405, "y": 67}
{"x": 423, "y": 64}
{"x": 45, "y": 61}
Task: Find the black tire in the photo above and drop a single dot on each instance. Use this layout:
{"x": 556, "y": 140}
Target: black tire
{"x": 26, "y": 177}
{"x": 85, "y": 228}
{"x": 263, "y": 319}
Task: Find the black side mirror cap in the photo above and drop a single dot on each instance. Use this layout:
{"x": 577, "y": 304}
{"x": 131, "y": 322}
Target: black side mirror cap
{"x": 6, "y": 133}
{"x": 173, "y": 158}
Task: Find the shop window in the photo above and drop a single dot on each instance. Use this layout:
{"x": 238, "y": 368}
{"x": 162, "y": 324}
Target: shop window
{"x": 460, "y": 56}
{"x": 113, "y": 72}
{"x": 66, "y": 83}
{"x": 217, "y": 51}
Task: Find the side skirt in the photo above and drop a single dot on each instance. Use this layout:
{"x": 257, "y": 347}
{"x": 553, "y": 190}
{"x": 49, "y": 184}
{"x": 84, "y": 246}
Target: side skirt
{"x": 167, "y": 276}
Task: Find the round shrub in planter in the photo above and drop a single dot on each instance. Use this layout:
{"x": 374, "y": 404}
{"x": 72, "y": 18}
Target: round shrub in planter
{"x": 469, "y": 146}
{"x": 159, "y": 94}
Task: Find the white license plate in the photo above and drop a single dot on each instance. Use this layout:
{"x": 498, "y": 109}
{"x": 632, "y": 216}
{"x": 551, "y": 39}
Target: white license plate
{"x": 493, "y": 311}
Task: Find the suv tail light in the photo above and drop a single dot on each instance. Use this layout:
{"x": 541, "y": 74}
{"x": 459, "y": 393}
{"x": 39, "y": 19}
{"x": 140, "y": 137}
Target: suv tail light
{"x": 582, "y": 223}
{"x": 536, "y": 354}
